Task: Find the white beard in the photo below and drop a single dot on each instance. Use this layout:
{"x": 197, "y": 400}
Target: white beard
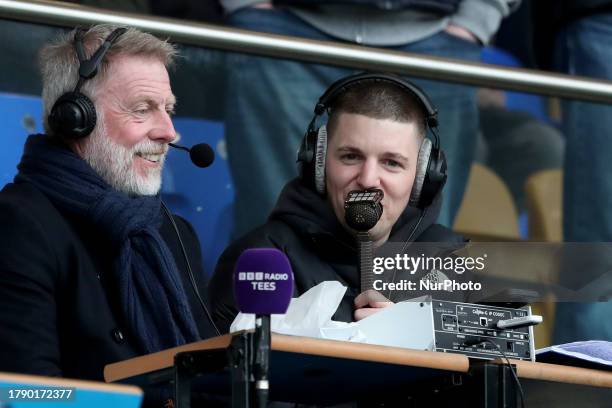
{"x": 115, "y": 163}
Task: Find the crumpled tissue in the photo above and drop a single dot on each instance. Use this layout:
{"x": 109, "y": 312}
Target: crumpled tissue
{"x": 309, "y": 315}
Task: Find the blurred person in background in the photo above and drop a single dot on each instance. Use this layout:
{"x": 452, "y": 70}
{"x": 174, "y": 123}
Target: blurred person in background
{"x": 580, "y": 33}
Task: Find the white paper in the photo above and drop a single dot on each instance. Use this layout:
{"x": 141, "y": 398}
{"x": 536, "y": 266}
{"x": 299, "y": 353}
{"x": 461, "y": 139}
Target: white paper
{"x": 597, "y": 351}
{"x": 311, "y": 314}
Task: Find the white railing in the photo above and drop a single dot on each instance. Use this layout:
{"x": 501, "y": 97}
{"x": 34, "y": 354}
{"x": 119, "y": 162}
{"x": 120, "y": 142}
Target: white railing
{"x": 229, "y": 39}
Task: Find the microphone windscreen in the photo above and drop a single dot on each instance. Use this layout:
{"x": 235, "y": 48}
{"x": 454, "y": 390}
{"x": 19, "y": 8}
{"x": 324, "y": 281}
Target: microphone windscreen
{"x": 362, "y": 216}
{"x": 263, "y": 281}
{"x": 202, "y": 155}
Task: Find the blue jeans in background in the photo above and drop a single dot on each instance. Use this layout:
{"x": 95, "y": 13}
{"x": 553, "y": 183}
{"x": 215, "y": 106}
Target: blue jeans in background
{"x": 583, "y": 48}
{"x": 269, "y": 103}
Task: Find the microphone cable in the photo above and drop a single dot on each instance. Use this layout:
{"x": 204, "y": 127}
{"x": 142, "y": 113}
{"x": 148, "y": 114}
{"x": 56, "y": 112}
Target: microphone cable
{"x": 414, "y": 230}
{"x": 189, "y": 270}
{"x": 512, "y": 370}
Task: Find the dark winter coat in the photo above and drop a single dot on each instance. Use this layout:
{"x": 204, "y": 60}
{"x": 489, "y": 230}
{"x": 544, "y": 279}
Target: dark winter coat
{"x": 58, "y": 315}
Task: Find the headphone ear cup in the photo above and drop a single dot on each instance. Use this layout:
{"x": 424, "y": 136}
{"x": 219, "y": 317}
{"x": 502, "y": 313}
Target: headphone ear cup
{"x": 319, "y": 160}
{"x": 305, "y": 157}
{"x": 435, "y": 178}
{"x": 421, "y": 173}
{"x": 73, "y": 116}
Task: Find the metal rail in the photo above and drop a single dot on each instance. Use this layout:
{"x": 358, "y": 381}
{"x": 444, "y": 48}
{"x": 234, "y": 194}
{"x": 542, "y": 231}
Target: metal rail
{"x": 367, "y": 58}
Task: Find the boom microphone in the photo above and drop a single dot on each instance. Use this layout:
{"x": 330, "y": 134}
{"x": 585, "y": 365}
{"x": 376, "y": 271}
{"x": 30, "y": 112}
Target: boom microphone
{"x": 263, "y": 284}
{"x": 202, "y": 155}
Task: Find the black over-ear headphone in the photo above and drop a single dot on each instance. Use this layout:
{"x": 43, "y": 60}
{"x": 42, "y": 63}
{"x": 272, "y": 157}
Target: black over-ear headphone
{"x": 431, "y": 162}
{"x": 73, "y": 115}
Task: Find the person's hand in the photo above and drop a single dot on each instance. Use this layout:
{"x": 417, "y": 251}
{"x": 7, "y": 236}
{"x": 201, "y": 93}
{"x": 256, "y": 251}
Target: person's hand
{"x": 461, "y": 32}
{"x": 368, "y": 303}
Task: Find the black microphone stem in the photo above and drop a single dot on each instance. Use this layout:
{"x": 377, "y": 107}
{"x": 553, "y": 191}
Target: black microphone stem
{"x": 365, "y": 249}
{"x": 262, "y": 360}
{"x": 179, "y": 147}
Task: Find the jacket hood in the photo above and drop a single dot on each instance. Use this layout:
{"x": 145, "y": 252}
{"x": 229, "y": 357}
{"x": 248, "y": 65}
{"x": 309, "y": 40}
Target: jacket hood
{"x": 309, "y": 213}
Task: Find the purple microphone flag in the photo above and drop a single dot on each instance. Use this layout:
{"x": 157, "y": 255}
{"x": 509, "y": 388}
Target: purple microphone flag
{"x": 263, "y": 281}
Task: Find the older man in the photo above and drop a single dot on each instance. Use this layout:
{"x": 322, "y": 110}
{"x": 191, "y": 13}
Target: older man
{"x": 91, "y": 265}
{"x": 375, "y": 139}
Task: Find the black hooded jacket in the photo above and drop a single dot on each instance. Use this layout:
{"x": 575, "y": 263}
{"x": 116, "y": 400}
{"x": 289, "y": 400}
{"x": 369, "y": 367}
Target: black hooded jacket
{"x": 304, "y": 226}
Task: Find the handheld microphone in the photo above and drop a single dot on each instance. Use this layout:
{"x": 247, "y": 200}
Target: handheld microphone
{"x": 202, "y": 155}
{"x": 363, "y": 209}
{"x": 362, "y": 212}
{"x": 263, "y": 285}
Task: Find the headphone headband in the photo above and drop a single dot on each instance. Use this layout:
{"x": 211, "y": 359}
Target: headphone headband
{"x": 73, "y": 115}
{"x": 344, "y": 84}
{"x": 89, "y": 68}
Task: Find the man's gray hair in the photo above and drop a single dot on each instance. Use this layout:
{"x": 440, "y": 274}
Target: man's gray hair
{"x": 59, "y": 64}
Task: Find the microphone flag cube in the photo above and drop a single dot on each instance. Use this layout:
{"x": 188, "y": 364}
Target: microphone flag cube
{"x": 263, "y": 281}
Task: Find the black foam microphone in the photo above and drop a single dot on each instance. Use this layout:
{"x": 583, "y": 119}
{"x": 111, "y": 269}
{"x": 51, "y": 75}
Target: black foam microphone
{"x": 363, "y": 209}
{"x": 362, "y": 212}
{"x": 202, "y": 155}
